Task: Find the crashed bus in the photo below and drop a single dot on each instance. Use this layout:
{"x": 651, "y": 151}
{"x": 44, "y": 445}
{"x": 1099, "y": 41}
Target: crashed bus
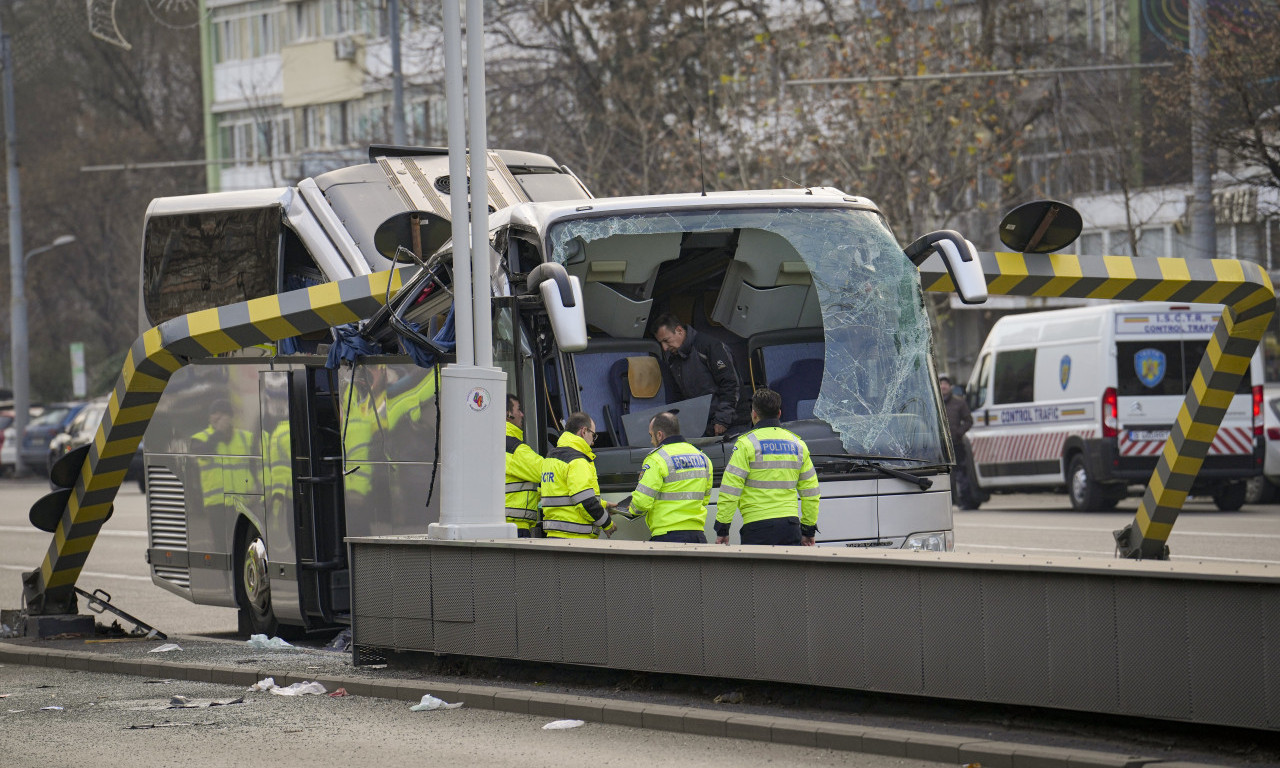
{"x": 260, "y": 462}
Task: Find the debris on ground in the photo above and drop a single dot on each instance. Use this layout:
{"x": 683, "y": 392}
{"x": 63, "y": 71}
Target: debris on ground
{"x": 341, "y": 642}
{"x": 339, "y": 692}
{"x": 265, "y": 684}
{"x": 303, "y": 688}
{"x": 732, "y": 697}
{"x": 430, "y": 702}
{"x": 54, "y": 708}
{"x": 182, "y": 702}
{"x": 269, "y": 644}
{"x": 560, "y": 725}
{"x": 166, "y": 648}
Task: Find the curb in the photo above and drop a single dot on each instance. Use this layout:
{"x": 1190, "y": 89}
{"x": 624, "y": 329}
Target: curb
{"x": 892, "y": 742}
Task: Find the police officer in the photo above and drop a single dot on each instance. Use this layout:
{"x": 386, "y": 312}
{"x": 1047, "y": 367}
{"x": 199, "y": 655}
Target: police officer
{"x": 675, "y": 485}
{"x": 524, "y": 473}
{"x": 770, "y": 467}
{"x": 571, "y": 503}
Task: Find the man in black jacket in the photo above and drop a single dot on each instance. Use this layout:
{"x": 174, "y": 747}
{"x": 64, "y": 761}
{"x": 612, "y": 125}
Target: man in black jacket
{"x": 699, "y": 365}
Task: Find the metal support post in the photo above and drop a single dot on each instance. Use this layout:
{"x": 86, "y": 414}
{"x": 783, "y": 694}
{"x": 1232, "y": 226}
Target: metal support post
{"x": 1204, "y": 236}
{"x": 17, "y": 264}
{"x": 397, "y": 75}
{"x": 472, "y": 392}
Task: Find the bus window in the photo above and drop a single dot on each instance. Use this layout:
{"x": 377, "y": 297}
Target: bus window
{"x": 179, "y": 277}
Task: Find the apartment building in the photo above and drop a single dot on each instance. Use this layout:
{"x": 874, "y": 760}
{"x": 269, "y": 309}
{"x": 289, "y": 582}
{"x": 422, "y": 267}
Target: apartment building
{"x": 297, "y": 87}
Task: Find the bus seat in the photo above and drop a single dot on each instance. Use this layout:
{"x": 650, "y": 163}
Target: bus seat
{"x": 617, "y": 376}
{"x": 800, "y": 384}
{"x": 767, "y": 287}
{"x": 790, "y": 362}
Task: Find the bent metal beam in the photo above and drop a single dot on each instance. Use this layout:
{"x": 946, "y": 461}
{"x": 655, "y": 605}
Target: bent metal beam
{"x": 1249, "y": 303}
{"x": 152, "y": 360}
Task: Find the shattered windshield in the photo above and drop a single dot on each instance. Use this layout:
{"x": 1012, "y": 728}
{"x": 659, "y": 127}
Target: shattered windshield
{"x": 877, "y": 388}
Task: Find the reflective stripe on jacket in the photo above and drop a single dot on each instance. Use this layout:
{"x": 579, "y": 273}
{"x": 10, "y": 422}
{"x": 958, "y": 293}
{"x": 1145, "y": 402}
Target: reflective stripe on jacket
{"x": 524, "y": 476}
{"x": 770, "y": 469}
{"x": 571, "y": 508}
{"x": 674, "y": 489}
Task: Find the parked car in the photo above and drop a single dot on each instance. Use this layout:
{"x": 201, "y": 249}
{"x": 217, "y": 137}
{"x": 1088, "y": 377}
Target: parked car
{"x": 81, "y": 431}
{"x": 1264, "y": 489}
{"x": 9, "y": 439}
{"x": 34, "y": 450}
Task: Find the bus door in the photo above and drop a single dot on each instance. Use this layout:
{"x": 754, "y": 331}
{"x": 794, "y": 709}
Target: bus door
{"x": 302, "y": 464}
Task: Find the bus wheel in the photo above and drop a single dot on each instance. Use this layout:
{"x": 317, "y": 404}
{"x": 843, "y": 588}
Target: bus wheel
{"x": 1230, "y": 497}
{"x": 1085, "y": 494}
{"x": 253, "y": 587}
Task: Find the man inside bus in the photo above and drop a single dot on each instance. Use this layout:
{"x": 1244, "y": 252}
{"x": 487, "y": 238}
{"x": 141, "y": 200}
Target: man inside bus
{"x": 697, "y": 365}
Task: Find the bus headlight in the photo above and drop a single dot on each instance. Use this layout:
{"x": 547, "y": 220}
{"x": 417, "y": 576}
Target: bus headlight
{"x": 933, "y": 541}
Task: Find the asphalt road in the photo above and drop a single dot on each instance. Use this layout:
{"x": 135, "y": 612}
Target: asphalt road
{"x": 1032, "y": 524}
{"x": 114, "y": 720}
{"x": 1044, "y": 524}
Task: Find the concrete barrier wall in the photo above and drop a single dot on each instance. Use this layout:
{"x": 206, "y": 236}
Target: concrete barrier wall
{"x": 1155, "y": 639}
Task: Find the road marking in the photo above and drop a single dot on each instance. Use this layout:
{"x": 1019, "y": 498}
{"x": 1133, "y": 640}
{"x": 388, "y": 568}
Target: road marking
{"x": 30, "y": 529}
{"x": 1094, "y": 553}
{"x": 1009, "y": 527}
{"x": 83, "y": 574}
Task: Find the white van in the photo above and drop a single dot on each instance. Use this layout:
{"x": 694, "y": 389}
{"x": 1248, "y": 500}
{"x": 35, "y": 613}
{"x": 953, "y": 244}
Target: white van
{"x": 1085, "y": 398}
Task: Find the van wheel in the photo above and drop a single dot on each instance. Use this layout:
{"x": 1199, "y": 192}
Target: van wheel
{"x": 1230, "y": 497}
{"x": 1085, "y": 494}
{"x": 1259, "y": 490}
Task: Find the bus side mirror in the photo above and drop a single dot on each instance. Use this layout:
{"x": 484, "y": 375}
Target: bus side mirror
{"x": 960, "y": 259}
{"x": 562, "y": 298}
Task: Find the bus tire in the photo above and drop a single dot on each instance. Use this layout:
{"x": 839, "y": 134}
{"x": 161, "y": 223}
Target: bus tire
{"x": 1230, "y": 497}
{"x": 1087, "y": 495}
{"x": 253, "y": 585}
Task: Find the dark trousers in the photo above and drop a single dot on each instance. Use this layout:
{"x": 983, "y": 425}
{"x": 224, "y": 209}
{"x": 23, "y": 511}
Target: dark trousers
{"x": 777, "y": 531}
{"x": 684, "y": 537}
{"x": 964, "y": 490}
{"x": 524, "y": 533}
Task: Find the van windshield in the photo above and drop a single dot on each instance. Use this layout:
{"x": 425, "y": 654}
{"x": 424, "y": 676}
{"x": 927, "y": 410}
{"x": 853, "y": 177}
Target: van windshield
{"x": 758, "y": 279}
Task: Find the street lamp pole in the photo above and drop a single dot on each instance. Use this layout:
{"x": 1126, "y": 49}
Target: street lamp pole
{"x": 17, "y": 294}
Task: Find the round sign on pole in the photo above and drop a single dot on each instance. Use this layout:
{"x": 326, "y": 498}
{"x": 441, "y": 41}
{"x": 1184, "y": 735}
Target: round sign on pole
{"x": 478, "y": 399}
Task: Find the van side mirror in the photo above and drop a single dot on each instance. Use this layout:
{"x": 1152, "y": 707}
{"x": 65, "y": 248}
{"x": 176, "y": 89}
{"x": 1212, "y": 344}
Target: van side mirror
{"x": 960, "y": 259}
{"x": 562, "y": 297}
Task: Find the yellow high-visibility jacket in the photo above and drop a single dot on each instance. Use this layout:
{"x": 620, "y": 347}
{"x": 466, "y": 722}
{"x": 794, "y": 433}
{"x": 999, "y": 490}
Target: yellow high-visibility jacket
{"x": 524, "y": 476}
{"x": 769, "y": 471}
{"x": 571, "y": 507}
{"x": 674, "y": 489}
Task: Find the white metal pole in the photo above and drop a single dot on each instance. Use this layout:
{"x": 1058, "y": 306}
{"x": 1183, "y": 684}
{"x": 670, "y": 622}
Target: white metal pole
{"x": 454, "y": 103}
{"x": 481, "y": 306}
{"x": 472, "y": 397}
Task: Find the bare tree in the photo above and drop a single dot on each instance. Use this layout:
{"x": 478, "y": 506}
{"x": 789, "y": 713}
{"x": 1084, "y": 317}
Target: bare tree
{"x": 81, "y": 101}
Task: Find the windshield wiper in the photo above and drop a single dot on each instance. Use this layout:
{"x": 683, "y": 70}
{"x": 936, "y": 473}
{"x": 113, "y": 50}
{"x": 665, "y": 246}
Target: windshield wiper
{"x": 862, "y": 461}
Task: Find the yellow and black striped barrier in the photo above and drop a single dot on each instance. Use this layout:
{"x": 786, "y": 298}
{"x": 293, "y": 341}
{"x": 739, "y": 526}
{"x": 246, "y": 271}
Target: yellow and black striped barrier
{"x": 1250, "y": 301}
{"x": 152, "y": 359}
